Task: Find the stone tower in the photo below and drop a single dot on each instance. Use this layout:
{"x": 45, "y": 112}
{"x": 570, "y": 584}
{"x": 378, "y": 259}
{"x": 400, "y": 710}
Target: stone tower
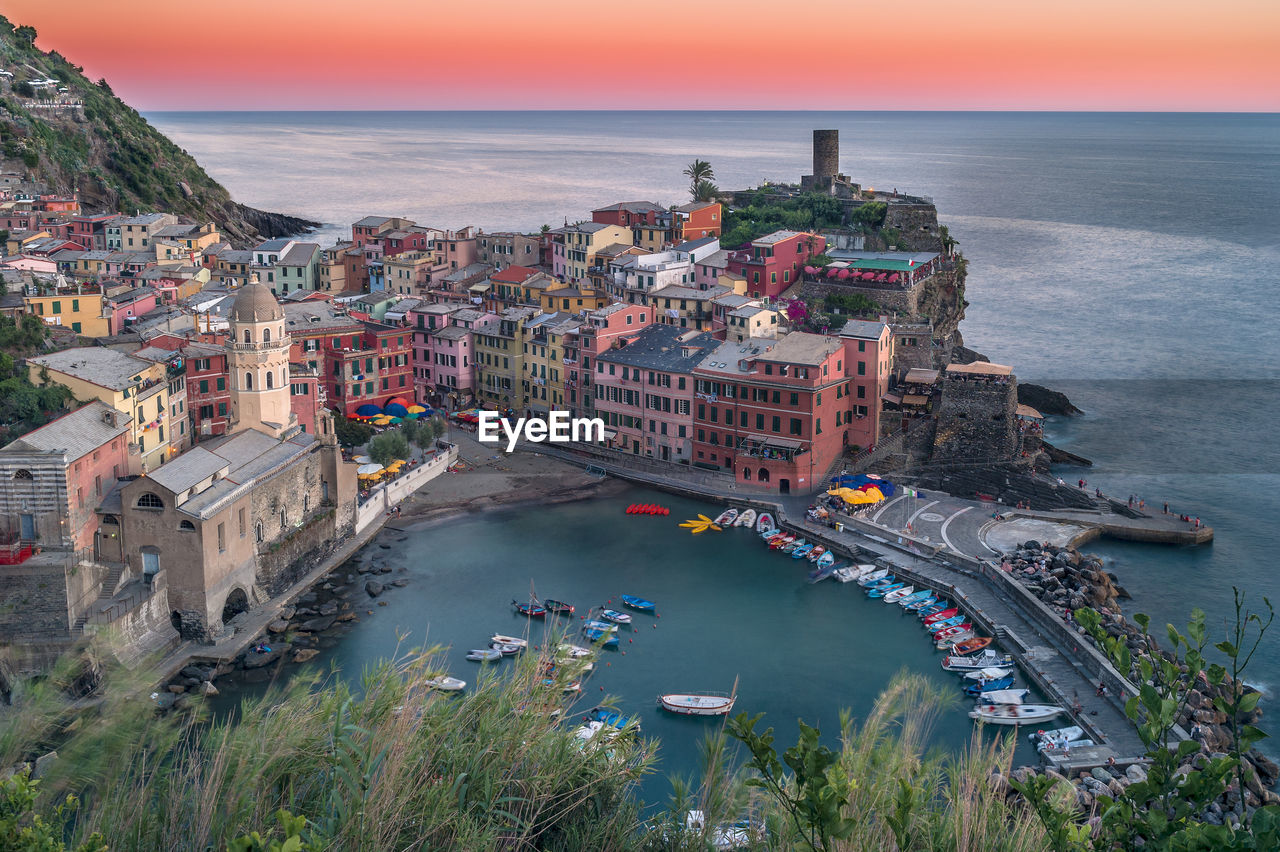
{"x": 258, "y": 362}
{"x": 826, "y": 153}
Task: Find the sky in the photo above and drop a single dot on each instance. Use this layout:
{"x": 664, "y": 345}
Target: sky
{"x": 698, "y": 54}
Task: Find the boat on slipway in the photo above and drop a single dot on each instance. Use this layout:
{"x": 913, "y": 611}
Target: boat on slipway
{"x": 704, "y": 704}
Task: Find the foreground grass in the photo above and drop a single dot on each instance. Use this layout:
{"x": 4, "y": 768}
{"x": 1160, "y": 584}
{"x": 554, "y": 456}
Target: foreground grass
{"x": 393, "y": 765}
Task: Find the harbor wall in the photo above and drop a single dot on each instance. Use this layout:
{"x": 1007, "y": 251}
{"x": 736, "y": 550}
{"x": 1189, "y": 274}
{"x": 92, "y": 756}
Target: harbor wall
{"x": 386, "y": 496}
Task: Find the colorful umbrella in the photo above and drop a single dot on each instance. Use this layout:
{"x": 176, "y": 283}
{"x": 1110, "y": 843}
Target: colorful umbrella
{"x": 418, "y": 409}
{"x": 368, "y": 410}
{"x": 395, "y": 409}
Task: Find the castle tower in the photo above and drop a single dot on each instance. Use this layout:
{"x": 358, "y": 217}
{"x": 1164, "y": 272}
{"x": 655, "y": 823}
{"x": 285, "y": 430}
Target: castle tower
{"x": 826, "y": 153}
{"x": 258, "y": 361}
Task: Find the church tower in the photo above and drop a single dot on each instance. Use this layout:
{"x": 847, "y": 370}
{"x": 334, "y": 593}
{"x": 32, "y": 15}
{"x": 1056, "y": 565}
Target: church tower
{"x": 258, "y": 362}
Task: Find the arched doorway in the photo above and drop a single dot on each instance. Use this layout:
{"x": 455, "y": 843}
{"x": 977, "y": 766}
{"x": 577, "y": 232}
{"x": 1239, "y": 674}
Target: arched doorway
{"x": 763, "y": 476}
{"x": 237, "y": 602}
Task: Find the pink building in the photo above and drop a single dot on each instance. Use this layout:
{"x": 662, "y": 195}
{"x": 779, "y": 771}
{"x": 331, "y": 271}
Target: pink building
{"x": 644, "y": 391}
{"x": 444, "y": 366}
{"x": 121, "y": 309}
{"x": 868, "y": 358}
{"x": 775, "y": 261}
{"x": 306, "y": 396}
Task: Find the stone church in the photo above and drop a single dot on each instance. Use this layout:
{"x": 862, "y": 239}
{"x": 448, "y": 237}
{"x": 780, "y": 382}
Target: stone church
{"x": 238, "y": 518}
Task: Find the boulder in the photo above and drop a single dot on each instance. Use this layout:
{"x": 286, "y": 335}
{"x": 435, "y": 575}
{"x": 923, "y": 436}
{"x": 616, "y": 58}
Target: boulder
{"x": 330, "y": 608}
{"x": 288, "y": 612}
{"x": 278, "y": 626}
{"x": 373, "y": 588}
{"x": 255, "y": 660}
{"x": 1135, "y": 773}
{"x": 196, "y": 671}
{"x": 207, "y": 688}
{"x": 367, "y": 569}
{"x": 399, "y": 583}
{"x": 998, "y": 784}
{"x": 347, "y": 616}
{"x": 43, "y": 762}
{"x": 315, "y": 625}
{"x": 176, "y": 688}
{"x": 1101, "y": 774}
{"x": 385, "y": 569}
{"x": 304, "y": 654}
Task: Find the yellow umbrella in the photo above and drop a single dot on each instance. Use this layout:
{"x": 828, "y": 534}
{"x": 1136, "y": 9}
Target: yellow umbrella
{"x": 875, "y": 494}
{"x": 416, "y": 409}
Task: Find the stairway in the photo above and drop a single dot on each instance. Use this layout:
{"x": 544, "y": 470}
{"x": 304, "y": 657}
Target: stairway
{"x": 115, "y": 571}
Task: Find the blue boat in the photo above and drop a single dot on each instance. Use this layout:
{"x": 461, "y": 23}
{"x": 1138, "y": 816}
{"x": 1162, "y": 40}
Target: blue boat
{"x": 916, "y": 606}
{"x": 936, "y": 606}
{"x": 908, "y": 600}
{"x": 881, "y": 591}
{"x": 638, "y": 603}
{"x": 607, "y": 638}
{"x": 614, "y": 719}
{"x": 801, "y": 551}
{"x": 603, "y": 626}
{"x": 976, "y": 689}
{"x": 887, "y": 580}
{"x": 946, "y": 622}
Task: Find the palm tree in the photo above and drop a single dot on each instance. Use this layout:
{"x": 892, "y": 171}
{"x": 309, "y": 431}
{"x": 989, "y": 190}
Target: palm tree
{"x": 704, "y": 190}
{"x": 698, "y": 171}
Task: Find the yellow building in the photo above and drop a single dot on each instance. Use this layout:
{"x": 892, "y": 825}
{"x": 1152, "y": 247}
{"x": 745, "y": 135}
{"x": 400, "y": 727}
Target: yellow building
{"x": 545, "y": 367}
{"x": 137, "y": 388}
{"x": 182, "y": 242}
{"x": 19, "y": 239}
{"x": 409, "y": 273}
{"x": 81, "y": 312}
{"x": 581, "y": 243}
{"x": 573, "y": 300}
{"x": 499, "y": 352}
{"x": 649, "y": 237}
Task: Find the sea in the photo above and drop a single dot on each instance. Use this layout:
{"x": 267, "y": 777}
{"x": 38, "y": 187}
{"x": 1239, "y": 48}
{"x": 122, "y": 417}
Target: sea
{"x": 1130, "y": 260}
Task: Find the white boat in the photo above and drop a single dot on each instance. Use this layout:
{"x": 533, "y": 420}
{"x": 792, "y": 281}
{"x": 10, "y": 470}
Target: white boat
{"x": 725, "y": 837}
{"x": 985, "y": 660}
{"x": 604, "y": 626}
{"x": 1004, "y": 696}
{"x": 846, "y": 575}
{"x": 727, "y": 517}
{"x": 595, "y": 730}
{"x": 989, "y": 674}
{"x": 1015, "y": 714}
{"x": 947, "y": 641}
{"x": 615, "y": 616}
{"x": 746, "y": 519}
{"x": 483, "y": 655}
{"x": 871, "y": 576}
{"x": 575, "y": 652}
{"x": 505, "y": 650}
{"x": 765, "y": 523}
{"x": 503, "y": 639}
{"x": 697, "y": 705}
{"x": 1069, "y": 734}
{"x": 899, "y": 593}
{"x": 447, "y": 684}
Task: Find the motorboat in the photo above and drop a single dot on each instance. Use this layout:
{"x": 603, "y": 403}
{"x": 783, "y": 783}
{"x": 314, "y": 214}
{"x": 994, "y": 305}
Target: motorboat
{"x": 970, "y": 646}
{"x": 989, "y": 674}
{"x": 706, "y": 704}
{"x": 727, "y": 517}
{"x": 985, "y": 660}
{"x": 1062, "y": 747}
{"x": 898, "y": 594}
{"x": 746, "y": 519}
{"x": 504, "y": 639}
{"x": 614, "y": 616}
{"x": 764, "y": 522}
{"x": 1015, "y": 714}
{"x": 1005, "y": 696}
{"x": 873, "y": 577}
{"x": 978, "y": 687}
{"x": 531, "y": 609}
{"x": 573, "y": 652}
{"x": 637, "y": 603}
{"x": 505, "y": 650}
{"x": 1068, "y": 734}
{"x": 847, "y": 574}
{"x": 484, "y": 655}
{"x": 881, "y": 591}
{"x": 558, "y": 607}
{"x": 593, "y": 624}
{"x": 447, "y": 684}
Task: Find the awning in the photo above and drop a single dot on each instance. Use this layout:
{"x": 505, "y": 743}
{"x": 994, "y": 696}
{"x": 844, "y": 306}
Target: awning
{"x": 893, "y": 398}
{"x": 482, "y": 287}
{"x": 921, "y": 376}
{"x": 915, "y": 399}
{"x": 1029, "y": 412}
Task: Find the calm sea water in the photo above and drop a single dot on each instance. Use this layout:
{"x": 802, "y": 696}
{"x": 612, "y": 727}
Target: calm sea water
{"x": 1129, "y": 260}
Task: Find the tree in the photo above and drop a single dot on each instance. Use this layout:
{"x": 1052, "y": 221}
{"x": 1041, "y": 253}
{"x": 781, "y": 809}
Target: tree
{"x": 26, "y": 33}
{"x": 698, "y": 171}
{"x": 704, "y": 190}
{"x": 350, "y": 433}
{"x": 388, "y": 447}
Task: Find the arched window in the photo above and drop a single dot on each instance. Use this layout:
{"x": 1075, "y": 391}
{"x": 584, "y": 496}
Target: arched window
{"x": 186, "y": 526}
{"x": 23, "y": 474}
{"x": 258, "y": 531}
{"x": 150, "y": 501}
{"x": 271, "y": 380}
{"x": 248, "y": 381}
{"x": 266, "y": 335}
{"x": 763, "y": 476}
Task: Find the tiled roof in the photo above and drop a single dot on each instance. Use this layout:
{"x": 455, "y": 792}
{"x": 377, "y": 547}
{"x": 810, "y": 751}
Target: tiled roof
{"x": 663, "y": 347}
{"x": 103, "y": 367}
{"x": 75, "y": 434}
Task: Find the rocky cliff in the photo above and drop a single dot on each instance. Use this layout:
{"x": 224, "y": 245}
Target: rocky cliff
{"x": 74, "y": 135}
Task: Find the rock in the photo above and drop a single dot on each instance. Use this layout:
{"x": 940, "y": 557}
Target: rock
{"x": 328, "y": 587}
{"x": 385, "y": 569}
{"x": 278, "y": 626}
{"x": 43, "y": 762}
{"x": 207, "y": 688}
{"x": 195, "y": 671}
{"x": 998, "y": 784}
{"x": 373, "y": 588}
{"x": 304, "y": 612}
{"x": 367, "y": 569}
{"x": 1135, "y": 773}
{"x": 1101, "y": 774}
{"x": 1269, "y": 797}
{"x": 1033, "y": 546}
{"x": 176, "y": 688}
{"x": 255, "y": 660}
{"x": 1084, "y": 800}
{"x": 315, "y": 625}
{"x": 382, "y": 603}
{"x": 1266, "y": 767}
{"x": 304, "y": 654}
{"x": 1122, "y": 593}
{"x": 189, "y": 682}
{"x": 331, "y": 608}
{"x": 288, "y": 612}
{"x": 399, "y": 583}
{"x": 1116, "y": 787}
{"x": 347, "y": 616}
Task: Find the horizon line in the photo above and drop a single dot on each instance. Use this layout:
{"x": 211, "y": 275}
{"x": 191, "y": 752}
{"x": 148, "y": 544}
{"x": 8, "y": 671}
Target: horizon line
{"x": 964, "y": 111}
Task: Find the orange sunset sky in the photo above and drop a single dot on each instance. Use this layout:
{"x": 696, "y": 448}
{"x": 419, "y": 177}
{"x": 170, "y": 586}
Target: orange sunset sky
{"x": 697, "y": 54}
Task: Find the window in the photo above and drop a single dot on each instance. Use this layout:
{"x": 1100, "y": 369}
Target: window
{"x": 186, "y": 526}
{"x": 149, "y": 501}
{"x": 795, "y": 399}
{"x": 242, "y": 523}
{"x": 270, "y": 380}
{"x": 248, "y": 338}
{"x": 248, "y": 381}
{"x": 862, "y": 368}
{"x": 24, "y": 474}
{"x": 222, "y": 537}
{"x": 795, "y": 426}
{"x": 204, "y": 386}
{"x": 258, "y": 531}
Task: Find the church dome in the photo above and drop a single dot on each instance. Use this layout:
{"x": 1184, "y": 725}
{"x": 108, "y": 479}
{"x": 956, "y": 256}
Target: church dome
{"x": 254, "y": 303}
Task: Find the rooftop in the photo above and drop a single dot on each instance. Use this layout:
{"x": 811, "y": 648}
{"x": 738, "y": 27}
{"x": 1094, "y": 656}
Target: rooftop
{"x": 189, "y": 469}
{"x": 667, "y": 348}
{"x": 301, "y": 254}
{"x": 632, "y": 207}
{"x": 251, "y": 455}
{"x": 734, "y": 358}
{"x": 75, "y": 434}
{"x": 371, "y": 221}
{"x": 95, "y": 364}
{"x": 800, "y": 347}
{"x": 304, "y": 317}
{"x": 863, "y": 329}
{"x": 775, "y": 237}
{"x": 978, "y": 368}
{"x": 277, "y": 244}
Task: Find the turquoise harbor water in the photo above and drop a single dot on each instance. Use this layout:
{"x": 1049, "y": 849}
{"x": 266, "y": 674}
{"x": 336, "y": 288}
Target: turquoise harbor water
{"x": 1129, "y": 260}
{"x": 728, "y": 609}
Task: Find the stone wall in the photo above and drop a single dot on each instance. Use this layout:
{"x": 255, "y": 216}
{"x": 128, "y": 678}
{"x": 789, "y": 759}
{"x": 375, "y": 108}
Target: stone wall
{"x": 902, "y": 300}
{"x": 976, "y": 422}
{"x": 284, "y": 562}
{"x": 35, "y": 600}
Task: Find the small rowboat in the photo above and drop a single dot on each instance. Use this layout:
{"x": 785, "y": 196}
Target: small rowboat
{"x": 1015, "y": 714}
{"x": 916, "y": 606}
{"x": 1062, "y": 735}
{"x": 764, "y": 522}
{"x": 615, "y": 616}
{"x": 532, "y": 610}
{"x": 504, "y": 639}
{"x": 816, "y": 554}
{"x": 881, "y": 591}
{"x": 727, "y": 517}
{"x": 697, "y": 705}
{"x": 949, "y": 643}
{"x": 941, "y": 615}
{"x": 483, "y": 655}
{"x": 952, "y": 631}
{"x": 935, "y": 626}
{"x": 573, "y": 652}
{"x": 506, "y": 650}
{"x": 782, "y": 541}
{"x": 971, "y": 646}
{"x": 895, "y": 595}
{"x": 558, "y": 607}
{"x": 826, "y": 560}
{"x": 985, "y": 660}
{"x": 599, "y": 625}
{"x": 793, "y": 545}
{"x": 908, "y": 600}
{"x": 615, "y": 719}
{"x": 746, "y": 519}
{"x": 607, "y": 638}
{"x": 979, "y": 687}
{"x": 447, "y": 684}
{"x": 934, "y": 608}
{"x": 768, "y": 534}
{"x": 989, "y": 674}
{"x": 873, "y": 577}
{"x": 802, "y": 551}
{"x": 638, "y": 603}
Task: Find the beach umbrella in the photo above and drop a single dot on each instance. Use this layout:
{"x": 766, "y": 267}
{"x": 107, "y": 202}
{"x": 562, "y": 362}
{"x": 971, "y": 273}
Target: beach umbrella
{"x": 398, "y": 400}
{"x": 832, "y": 272}
{"x": 362, "y": 460}
{"x": 843, "y": 274}
{"x": 381, "y": 420}
{"x": 395, "y": 409}
{"x": 370, "y": 469}
{"x": 810, "y": 270}
{"x": 419, "y": 409}
{"x": 873, "y": 495}
{"x": 368, "y": 410}
{"x": 867, "y": 276}
{"x": 893, "y": 279}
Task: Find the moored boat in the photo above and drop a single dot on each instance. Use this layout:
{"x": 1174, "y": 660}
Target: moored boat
{"x": 941, "y": 615}
{"x": 978, "y": 687}
{"x": 821, "y": 573}
{"x": 445, "y": 683}
{"x": 504, "y": 639}
{"x": 727, "y": 517}
{"x": 1068, "y": 734}
{"x": 558, "y": 607}
{"x": 615, "y": 616}
{"x": 594, "y": 624}
{"x": 914, "y": 597}
{"x": 881, "y": 591}
{"x": 897, "y": 594}
{"x": 574, "y": 652}
{"x": 971, "y": 646}
{"x": 505, "y": 650}
{"x": 989, "y": 674}
{"x": 948, "y": 643}
{"x": 531, "y": 609}
{"x": 637, "y": 603}
{"x": 781, "y": 541}
{"x": 484, "y": 655}
{"x": 847, "y": 574}
{"x": 934, "y": 608}
{"x": 615, "y": 719}
{"x": 792, "y": 545}
{"x": 935, "y": 626}
{"x": 817, "y": 553}
{"x": 764, "y": 522}
{"x": 951, "y": 631}
{"x": 873, "y": 577}
{"x": 1015, "y": 714}
{"x": 746, "y": 519}
{"x": 826, "y": 559}
{"x": 985, "y": 660}
{"x": 607, "y": 638}
{"x": 800, "y": 551}
{"x": 697, "y": 704}
{"x": 770, "y": 533}
{"x": 1005, "y": 696}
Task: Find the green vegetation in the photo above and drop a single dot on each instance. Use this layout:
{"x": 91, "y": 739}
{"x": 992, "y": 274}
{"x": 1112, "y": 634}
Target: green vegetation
{"x": 351, "y": 433}
{"x": 23, "y": 406}
{"x": 701, "y": 177}
{"x": 764, "y": 213}
{"x": 389, "y": 446}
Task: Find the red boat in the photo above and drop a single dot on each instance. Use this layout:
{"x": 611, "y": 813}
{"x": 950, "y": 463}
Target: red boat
{"x": 969, "y": 646}
{"x": 942, "y": 616}
{"x": 533, "y": 610}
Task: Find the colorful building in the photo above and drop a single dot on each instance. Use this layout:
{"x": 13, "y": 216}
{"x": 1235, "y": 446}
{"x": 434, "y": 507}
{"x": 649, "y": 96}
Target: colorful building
{"x": 575, "y": 247}
{"x": 775, "y": 261}
{"x": 499, "y": 351}
{"x": 868, "y": 355}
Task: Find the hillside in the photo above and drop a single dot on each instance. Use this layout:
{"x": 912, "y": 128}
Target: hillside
{"x": 85, "y": 139}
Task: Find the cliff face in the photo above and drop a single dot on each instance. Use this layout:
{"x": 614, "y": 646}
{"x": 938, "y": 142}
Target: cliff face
{"x": 87, "y": 140}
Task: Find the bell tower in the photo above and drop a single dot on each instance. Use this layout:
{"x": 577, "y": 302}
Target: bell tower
{"x": 258, "y": 362}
